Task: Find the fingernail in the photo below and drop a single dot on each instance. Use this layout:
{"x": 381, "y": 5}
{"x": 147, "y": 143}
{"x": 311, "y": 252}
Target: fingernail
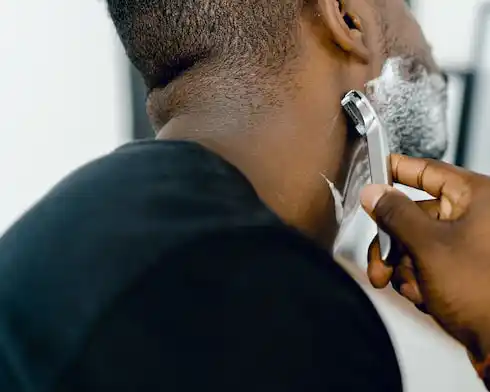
{"x": 371, "y": 194}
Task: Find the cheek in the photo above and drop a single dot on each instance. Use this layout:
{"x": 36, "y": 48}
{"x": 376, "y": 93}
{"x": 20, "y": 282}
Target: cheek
{"x": 374, "y": 29}
{"x": 377, "y": 66}
{"x": 408, "y": 40}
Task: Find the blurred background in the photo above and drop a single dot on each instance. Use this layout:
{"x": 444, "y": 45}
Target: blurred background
{"x": 68, "y": 95}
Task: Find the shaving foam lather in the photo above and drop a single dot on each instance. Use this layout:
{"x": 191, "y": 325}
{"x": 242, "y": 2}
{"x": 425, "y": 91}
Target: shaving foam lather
{"x": 369, "y": 127}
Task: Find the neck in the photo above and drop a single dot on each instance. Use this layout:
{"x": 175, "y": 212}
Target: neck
{"x": 285, "y": 153}
{"x": 286, "y": 168}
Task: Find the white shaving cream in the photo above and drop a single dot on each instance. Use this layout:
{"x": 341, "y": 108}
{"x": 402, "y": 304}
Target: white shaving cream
{"x": 337, "y": 198}
{"x": 412, "y": 105}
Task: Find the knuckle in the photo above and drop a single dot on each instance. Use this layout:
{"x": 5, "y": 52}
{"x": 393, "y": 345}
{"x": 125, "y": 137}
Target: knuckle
{"x": 388, "y": 210}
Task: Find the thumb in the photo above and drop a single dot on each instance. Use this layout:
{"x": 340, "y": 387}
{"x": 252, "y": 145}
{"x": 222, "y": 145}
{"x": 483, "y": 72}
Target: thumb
{"x": 399, "y": 216}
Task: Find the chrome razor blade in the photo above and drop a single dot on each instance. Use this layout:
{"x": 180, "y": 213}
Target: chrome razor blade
{"x": 369, "y": 126}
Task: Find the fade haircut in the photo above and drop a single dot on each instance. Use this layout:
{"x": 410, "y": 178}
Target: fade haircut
{"x": 165, "y": 38}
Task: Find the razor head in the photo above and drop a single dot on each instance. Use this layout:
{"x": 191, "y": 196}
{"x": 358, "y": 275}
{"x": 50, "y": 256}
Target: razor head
{"x": 359, "y": 110}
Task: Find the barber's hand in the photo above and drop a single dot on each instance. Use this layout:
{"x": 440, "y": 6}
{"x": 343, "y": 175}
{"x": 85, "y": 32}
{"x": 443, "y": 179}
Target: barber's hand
{"x": 442, "y": 248}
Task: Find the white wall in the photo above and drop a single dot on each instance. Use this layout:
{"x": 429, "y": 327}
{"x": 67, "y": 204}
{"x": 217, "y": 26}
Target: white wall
{"x": 449, "y": 26}
{"x": 63, "y": 95}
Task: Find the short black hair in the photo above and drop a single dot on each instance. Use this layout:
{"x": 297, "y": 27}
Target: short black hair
{"x": 164, "y": 38}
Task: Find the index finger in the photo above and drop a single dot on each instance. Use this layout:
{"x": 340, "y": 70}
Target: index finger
{"x": 441, "y": 180}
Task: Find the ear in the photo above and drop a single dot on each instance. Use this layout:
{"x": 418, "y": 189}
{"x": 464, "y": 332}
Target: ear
{"x": 345, "y": 27}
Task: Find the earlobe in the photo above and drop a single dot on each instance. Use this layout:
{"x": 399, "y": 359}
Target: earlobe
{"x": 345, "y": 27}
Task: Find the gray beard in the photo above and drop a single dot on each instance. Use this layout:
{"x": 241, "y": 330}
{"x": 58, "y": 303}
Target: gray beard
{"x": 412, "y": 105}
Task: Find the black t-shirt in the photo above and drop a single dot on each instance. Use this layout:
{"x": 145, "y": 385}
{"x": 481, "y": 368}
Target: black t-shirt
{"x": 157, "y": 268}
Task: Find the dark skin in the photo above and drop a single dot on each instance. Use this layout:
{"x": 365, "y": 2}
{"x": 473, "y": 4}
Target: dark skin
{"x": 442, "y": 263}
{"x": 298, "y": 134}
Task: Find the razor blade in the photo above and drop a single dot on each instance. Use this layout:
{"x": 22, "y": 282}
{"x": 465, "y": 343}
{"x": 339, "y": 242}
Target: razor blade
{"x": 370, "y": 127}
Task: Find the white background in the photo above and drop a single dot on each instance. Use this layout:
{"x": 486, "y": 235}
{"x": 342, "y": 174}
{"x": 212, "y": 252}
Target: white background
{"x": 449, "y": 26}
{"x": 63, "y": 96}
{"x": 64, "y": 101}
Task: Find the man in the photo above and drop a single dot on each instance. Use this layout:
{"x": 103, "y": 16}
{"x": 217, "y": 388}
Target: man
{"x": 260, "y": 82}
{"x": 197, "y": 261}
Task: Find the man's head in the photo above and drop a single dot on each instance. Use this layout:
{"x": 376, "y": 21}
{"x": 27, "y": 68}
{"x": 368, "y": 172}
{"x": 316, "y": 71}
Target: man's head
{"x": 260, "y": 82}
{"x": 167, "y": 39}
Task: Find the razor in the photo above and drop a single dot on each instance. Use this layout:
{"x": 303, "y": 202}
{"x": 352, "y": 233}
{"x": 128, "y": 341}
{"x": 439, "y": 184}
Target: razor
{"x": 370, "y": 127}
